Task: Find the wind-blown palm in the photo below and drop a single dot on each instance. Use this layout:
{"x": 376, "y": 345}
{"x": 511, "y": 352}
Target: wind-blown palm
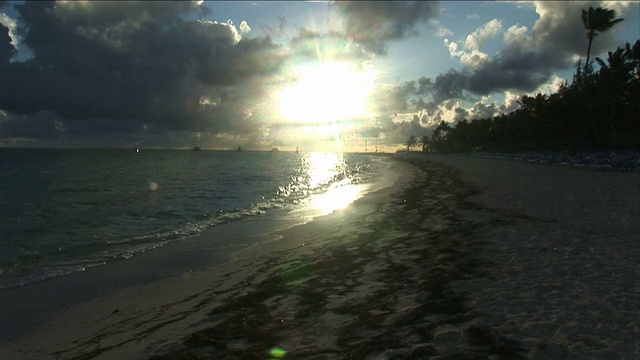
{"x": 634, "y": 54}
{"x": 596, "y": 21}
{"x": 412, "y": 142}
{"x": 619, "y": 68}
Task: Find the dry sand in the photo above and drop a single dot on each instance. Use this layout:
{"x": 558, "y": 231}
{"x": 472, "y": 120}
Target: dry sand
{"x": 566, "y": 277}
{"x": 475, "y": 258}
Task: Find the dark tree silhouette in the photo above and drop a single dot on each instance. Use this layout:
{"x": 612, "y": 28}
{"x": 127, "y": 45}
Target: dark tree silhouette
{"x": 556, "y": 122}
{"x": 411, "y": 142}
{"x": 596, "y": 21}
{"x": 424, "y": 142}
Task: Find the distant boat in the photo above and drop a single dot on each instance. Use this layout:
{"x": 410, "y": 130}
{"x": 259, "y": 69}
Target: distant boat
{"x": 196, "y": 148}
{"x": 297, "y": 151}
{"x": 239, "y": 148}
{"x": 275, "y": 150}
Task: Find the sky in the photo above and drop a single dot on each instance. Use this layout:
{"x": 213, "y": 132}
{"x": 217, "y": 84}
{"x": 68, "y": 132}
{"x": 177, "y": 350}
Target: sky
{"x": 318, "y": 76}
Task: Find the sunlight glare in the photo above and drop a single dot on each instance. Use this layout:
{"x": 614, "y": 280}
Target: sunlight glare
{"x": 323, "y": 168}
{"x": 337, "y": 197}
{"x": 328, "y": 93}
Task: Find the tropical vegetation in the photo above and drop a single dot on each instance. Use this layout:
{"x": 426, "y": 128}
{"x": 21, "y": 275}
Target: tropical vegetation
{"x": 599, "y": 109}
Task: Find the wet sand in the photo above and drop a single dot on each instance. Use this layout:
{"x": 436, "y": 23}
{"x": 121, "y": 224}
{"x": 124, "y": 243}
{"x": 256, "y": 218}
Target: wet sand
{"x": 474, "y": 258}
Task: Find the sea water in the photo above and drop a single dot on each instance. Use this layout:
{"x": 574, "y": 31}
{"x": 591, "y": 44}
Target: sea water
{"x": 63, "y": 210}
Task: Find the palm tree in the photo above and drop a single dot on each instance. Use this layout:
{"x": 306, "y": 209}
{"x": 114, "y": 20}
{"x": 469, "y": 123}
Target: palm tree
{"x": 618, "y": 82}
{"x": 424, "y": 142}
{"x": 619, "y": 68}
{"x": 633, "y": 52}
{"x": 595, "y": 21}
{"x": 412, "y": 142}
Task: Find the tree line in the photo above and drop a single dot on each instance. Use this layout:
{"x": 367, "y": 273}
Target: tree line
{"x": 600, "y": 109}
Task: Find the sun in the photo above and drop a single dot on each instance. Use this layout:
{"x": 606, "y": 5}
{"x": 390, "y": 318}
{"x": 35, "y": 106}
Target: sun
{"x": 327, "y": 93}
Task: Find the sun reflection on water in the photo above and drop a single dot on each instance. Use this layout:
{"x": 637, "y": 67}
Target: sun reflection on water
{"x": 329, "y": 168}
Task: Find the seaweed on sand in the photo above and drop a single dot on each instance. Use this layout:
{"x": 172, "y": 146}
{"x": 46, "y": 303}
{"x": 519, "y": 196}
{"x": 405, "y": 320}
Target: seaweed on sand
{"x": 384, "y": 292}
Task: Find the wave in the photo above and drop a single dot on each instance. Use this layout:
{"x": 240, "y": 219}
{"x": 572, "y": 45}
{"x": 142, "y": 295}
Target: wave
{"x": 91, "y": 239}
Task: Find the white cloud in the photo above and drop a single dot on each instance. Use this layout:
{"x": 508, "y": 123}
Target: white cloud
{"x": 516, "y": 36}
{"x": 550, "y": 87}
{"x": 471, "y": 55}
{"x": 510, "y": 102}
{"x": 473, "y": 16}
{"x": 232, "y": 30}
{"x": 442, "y": 32}
{"x": 244, "y": 27}
{"x": 11, "y": 24}
{"x": 474, "y": 59}
{"x": 476, "y": 39}
{"x": 483, "y": 109}
{"x": 449, "y": 111}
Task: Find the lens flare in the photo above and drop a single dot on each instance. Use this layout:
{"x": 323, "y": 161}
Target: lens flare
{"x": 153, "y": 186}
{"x": 277, "y": 353}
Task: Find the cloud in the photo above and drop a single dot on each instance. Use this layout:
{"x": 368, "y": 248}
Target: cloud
{"x": 527, "y": 60}
{"x": 516, "y": 36}
{"x": 130, "y": 72}
{"x": 7, "y": 50}
{"x": 397, "y": 129}
{"x": 136, "y": 68}
{"x": 483, "y": 109}
{"x": 444, "y": 32}
{"x": 450, "y": 111}
{"x": 476, "y": 39}
{"x": 525, "y": 65}
{"x": 244, "y": 27}
{"x": 332, "y": 46}
{"x": 549, "y": 87}
{"x": 41, "y": 125}
{"x": 474, "y": 58}
{"x": 449, "y": 85}
{"x": 393, "y": 98}
{"x": 373, "y": 23}
{"x": 471, "y": 55}
{"x": 10, "y": 24}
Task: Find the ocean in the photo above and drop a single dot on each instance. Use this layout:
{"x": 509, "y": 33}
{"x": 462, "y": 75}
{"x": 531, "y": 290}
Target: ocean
{"x": 66, "y": 210}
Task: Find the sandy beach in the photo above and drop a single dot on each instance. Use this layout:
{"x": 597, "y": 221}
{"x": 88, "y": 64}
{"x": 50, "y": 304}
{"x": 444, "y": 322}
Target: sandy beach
{"x": 463, "y": 258}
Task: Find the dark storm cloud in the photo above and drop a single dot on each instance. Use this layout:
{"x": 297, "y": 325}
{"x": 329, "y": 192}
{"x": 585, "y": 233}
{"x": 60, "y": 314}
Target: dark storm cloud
{"x": 6, "y": 49}
{"x": 560, "y": 30}
{"x": 523, "y": 71}
{"x": 449, "y": 85}
{"x": 516, "y": 71}
{"x": 424, "y": 84}
{"x": 390, "y": 99}
{"x": 40, "y": 126}
{"x": 109, "y": 67}
{"x": 373, "y": 23}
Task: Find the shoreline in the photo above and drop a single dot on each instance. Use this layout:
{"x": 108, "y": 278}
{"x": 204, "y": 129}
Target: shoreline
{"x": 24, "y": 309}
{"x": 215, "y": 247}
{"x": 456, "y": 263}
